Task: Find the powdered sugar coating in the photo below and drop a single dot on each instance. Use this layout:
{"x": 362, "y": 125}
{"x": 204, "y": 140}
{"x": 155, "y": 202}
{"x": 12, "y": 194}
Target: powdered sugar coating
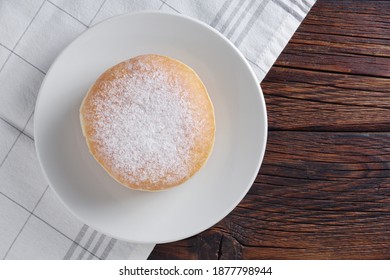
{"x": 144, "y": 123}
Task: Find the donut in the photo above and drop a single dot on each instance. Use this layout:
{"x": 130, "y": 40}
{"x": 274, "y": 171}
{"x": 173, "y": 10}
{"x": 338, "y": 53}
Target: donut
{"x": 149, "y": 122}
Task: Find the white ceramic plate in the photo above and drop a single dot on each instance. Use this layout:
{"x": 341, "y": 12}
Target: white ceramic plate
{"x": 91, "y": 194}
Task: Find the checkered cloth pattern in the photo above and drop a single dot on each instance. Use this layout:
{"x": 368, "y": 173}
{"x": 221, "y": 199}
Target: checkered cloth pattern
{"x": 33, "y": 223}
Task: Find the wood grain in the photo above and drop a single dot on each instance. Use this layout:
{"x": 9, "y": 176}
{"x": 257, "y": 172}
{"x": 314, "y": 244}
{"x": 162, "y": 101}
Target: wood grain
{"x": 323, "y": 191}
{"x": 299, "y": 99}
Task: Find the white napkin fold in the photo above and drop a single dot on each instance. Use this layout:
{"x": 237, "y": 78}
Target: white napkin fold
{"x": 33, "y": 223}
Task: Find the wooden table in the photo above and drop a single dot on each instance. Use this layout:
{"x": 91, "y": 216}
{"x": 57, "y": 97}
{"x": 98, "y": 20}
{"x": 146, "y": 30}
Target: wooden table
{"x": 323, "y": 191}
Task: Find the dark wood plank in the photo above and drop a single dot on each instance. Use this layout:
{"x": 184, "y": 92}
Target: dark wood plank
{"x": 351, "y": 18}
{"x": 334, "y": 75}
{"x": 298, "y": 99}
{"x": 343, "y": 37}
{"x": 323, "y": 191}
{"x": 305, "y": 204}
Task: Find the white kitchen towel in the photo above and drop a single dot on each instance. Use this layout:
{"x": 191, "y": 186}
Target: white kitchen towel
{"x": 33, "y": 223}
